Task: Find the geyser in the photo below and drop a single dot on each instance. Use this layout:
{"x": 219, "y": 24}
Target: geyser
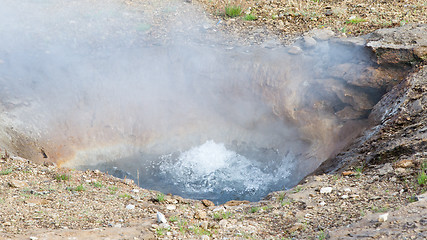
{"x": 90, "y": 84}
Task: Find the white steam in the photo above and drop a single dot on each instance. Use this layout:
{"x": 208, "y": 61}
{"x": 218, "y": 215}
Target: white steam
{"x": 149, "y": 85}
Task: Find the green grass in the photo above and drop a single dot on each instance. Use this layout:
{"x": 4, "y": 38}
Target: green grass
{"x": 62, "y": 177}
{"x": 379, "y": 209}
{"x": 321, "y": 235}
{"x": 250, "y": 17}
{"x": 355, "y": 20}
{"x": 199, "y": 231}
{"x": 161, "y": 231}
{"x": 173, "y": 219}
{"x": 422, "y": 177}
{"x": 254, "y": 209}
{"x": 98, "y": 184}
{"x": 160, "y": 197}
{"x": 221, "y": 215}
{"x": 233, "y": 11}
{"x": 113, "y": 189}
{"x": 79, "y": 188}
{"x": 297, "y": 189}
{"x": 6, "y": 171}
{"x": 125, "y": 195}
{"x": 182, "y": 226}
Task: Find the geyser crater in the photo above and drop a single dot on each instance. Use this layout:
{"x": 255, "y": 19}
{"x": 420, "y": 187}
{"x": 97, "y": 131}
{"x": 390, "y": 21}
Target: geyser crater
{"x": 197, "y": 119}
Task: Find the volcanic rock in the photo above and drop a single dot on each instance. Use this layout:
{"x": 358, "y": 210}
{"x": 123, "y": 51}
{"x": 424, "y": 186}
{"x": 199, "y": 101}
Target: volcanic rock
{"x": 17, "y": 184}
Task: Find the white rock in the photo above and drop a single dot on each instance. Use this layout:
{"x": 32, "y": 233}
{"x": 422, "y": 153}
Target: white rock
{"x": 34, "y": 238}
{"x": 295, "y": 50}
{"x": 309, "y": 42}
{"x": 204, "y": 237}
{"x": 347, "y": 190}
{"x": 161, "y": 218}
{"x": 322, "y": 203}
{"x": 326, "y": 190}
{"x": 345, "y": 196}
{"x": 170, "y": 207}
{"x": 383, "y": 217}
{"x": 135, "y": 190}
{"x": 130, "y": 207}
{"x": 164, "y": 225}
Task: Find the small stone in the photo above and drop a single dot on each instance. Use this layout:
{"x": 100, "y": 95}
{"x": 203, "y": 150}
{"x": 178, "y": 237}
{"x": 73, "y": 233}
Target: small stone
{"x": 347, "y": 190}
{"x": 223, "y": 223}
{"x": 344, "y": 196}
{"x": 135, "y": 190}
{"x": 348, "y": 173}
{"x": 200, "y": 214}
{"x": 164, "y": 225}
{"x": 170, "y": 207}
{"x": 400, "y": 170}
{"x": 204, "y": 237}
{"x": 309, "y": 42}
{"x": 236, "y": 202}
{"x": 383, "y": 217}
{"x": 208, "y": 203}
{"x": 118, "y": 225}
{"x": 161, "y": 218}
{"x": 326, "y": 190}
{"x": 34, "y": 238}
{"x": 387, "y": 168}
{"x": 130, "y": 207}
{"x": 204, "y": 225}
{"x": 128, "y": 181}
{"x": 18, "y": 184}
{"x": 322, "y": 203}
{"x": 296, "y": 227}
{"x": 407, "y": 163}
{"x": 294, "y": 50}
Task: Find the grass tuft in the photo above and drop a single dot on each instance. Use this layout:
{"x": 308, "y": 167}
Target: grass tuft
{"x": 6, "y": 171}
{"x": 62, "y": 177}
{"x": 160, "y": 197}
{"x": 250, "y": 17}
{"x": 233, "y": 11}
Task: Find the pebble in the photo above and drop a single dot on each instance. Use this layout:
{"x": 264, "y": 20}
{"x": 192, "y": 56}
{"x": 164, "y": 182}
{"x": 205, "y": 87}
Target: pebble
{"x": 406, "y": 163}
{"x": 18, "y": 184}
{"x": 161, "y": 218}
{"x": 200, "y": 214}
{"x": 170, "y": 207}
{"x": 135, "y": 190}
{"x": 309, "y": 42}
{"x": 387, "y": 168}
{"x": 208, "y": 203}
{"x": 295, "y": 50}
{"x": 130, "y": 207}
{"x": 326, "y": 190}
{"x": 383, "y": 217}
{"x": 34, "y": 238}
{"x": 204, "y": 237}
{"x": 322, "y": 203}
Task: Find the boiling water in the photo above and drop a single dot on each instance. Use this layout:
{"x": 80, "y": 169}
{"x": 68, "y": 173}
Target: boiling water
{"x": 94, "y": 84}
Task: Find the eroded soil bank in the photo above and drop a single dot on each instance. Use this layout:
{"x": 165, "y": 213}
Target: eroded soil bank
{"x": 375, "y": 182}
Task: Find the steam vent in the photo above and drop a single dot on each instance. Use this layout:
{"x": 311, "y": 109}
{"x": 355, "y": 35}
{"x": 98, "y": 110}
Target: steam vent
{"x": 177, "y": 107}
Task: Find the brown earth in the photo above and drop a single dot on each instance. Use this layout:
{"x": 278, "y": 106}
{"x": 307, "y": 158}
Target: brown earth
{"x": 380, "y": 173}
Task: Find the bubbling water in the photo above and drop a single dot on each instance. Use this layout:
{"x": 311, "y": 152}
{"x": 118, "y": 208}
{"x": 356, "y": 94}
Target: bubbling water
{"x": 213, "y": 171}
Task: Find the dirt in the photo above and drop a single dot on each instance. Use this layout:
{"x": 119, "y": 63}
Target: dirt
{"x": 285, "y": 20}
{"x": 373, "y": 189}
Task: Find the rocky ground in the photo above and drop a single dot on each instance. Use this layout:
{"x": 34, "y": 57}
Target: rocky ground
{"x": 376, "y": 188}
